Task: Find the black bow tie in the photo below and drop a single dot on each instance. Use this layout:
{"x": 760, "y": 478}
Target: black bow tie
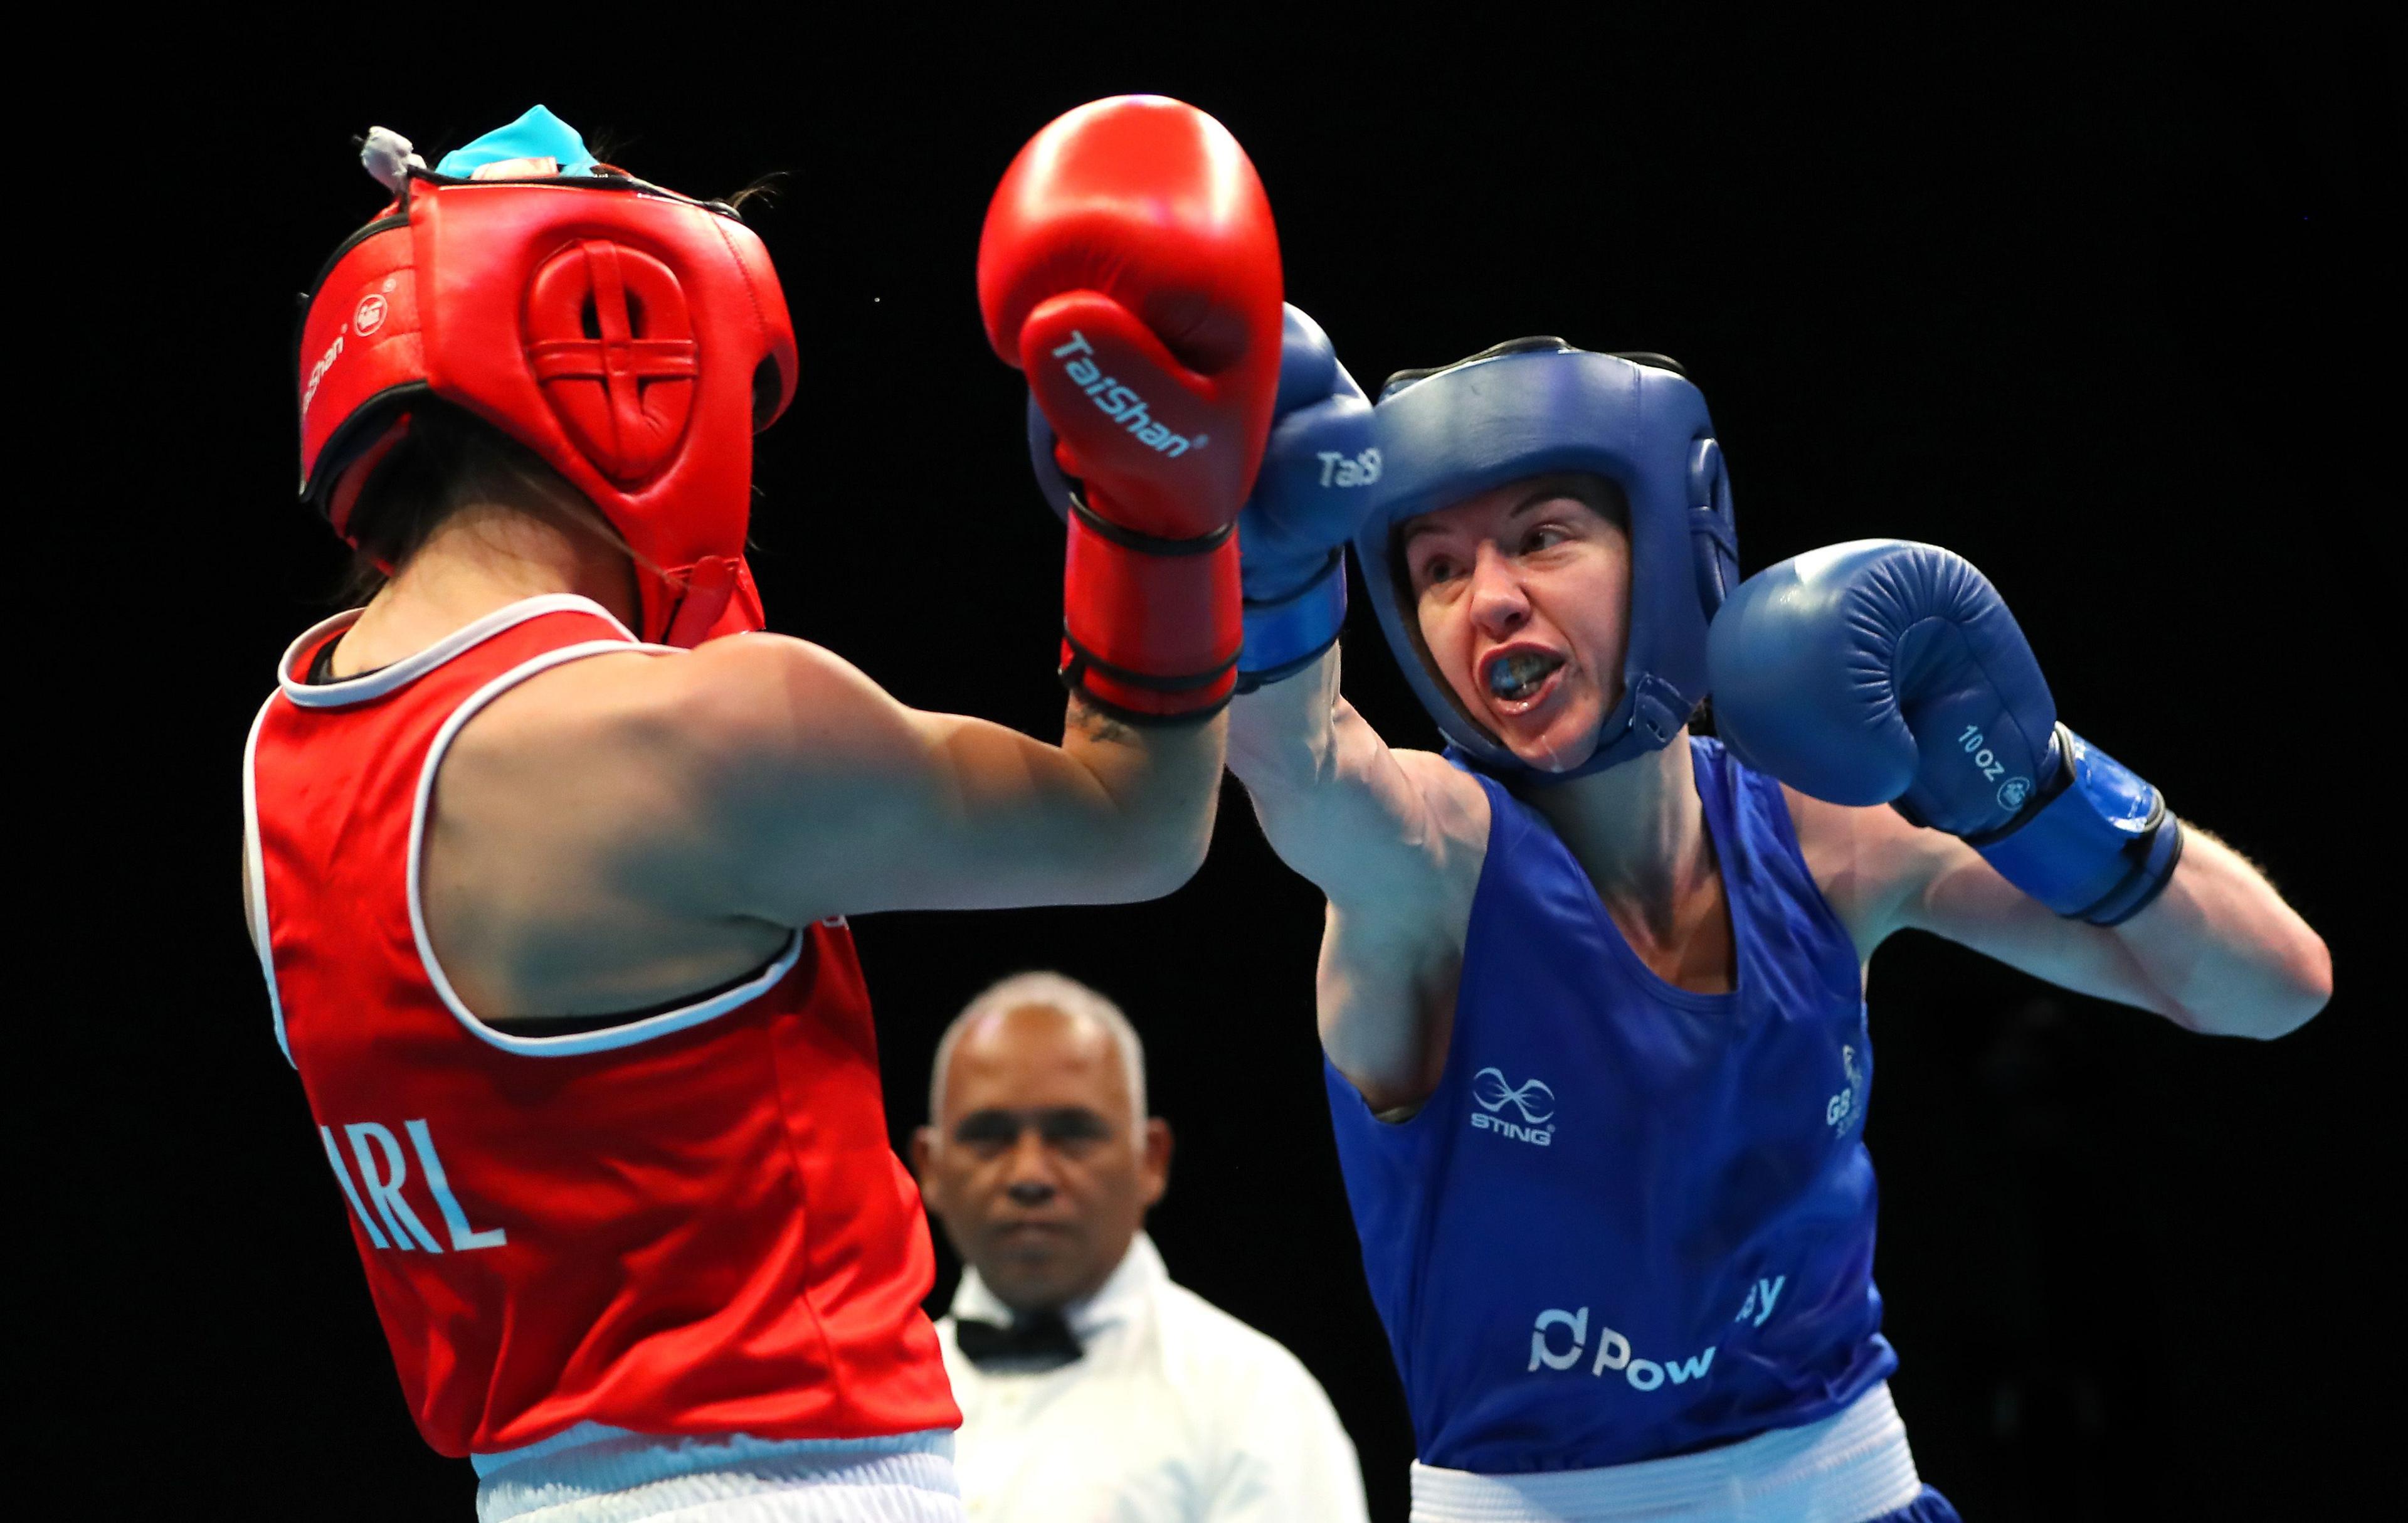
{"x": 1039, "y": 1341}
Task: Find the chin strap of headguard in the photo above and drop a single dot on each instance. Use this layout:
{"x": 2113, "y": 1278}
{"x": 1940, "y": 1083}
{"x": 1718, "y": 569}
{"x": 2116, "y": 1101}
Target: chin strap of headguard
{"x": 720, "y": 599}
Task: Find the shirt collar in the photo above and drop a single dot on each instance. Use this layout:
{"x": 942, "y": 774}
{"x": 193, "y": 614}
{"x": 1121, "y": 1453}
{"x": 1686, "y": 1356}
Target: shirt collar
{"x": 1122, "y": 1297}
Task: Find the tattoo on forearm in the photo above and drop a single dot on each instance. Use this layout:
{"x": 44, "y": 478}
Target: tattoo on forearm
{"x": 1097, "y": 725}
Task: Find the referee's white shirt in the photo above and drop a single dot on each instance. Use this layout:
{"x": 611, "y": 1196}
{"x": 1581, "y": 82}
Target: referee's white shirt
{"x": 1176, "y": 1413}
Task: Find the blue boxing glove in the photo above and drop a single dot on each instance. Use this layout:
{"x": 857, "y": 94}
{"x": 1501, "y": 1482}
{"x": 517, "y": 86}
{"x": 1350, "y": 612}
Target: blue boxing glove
{"x": 1309, "y": 498}
{"x": 1306, "y": 503}
{"x": 1882, "y": 671}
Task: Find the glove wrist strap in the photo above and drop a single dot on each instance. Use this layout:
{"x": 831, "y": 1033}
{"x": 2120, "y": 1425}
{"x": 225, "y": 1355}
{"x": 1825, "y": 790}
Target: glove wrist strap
{"x": 2099, "y": 845}
{"x": 1150, "y": 637}
{"x": 1142, "y": 542}
{"x": 1286, "y": 634}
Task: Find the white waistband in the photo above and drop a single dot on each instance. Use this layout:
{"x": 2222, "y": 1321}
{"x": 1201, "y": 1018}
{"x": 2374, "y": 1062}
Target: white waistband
{"x": 593, "y": 1472}
{"x": 1849, "y": 1468}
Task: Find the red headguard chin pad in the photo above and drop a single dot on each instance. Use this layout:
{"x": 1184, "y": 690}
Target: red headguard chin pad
{"x": 634, "y": 338}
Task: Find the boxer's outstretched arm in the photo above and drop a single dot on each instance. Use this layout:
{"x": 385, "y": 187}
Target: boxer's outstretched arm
{"x": 817, "y": 795}
{"x": 1395, "y": 840}
{"x": 619, "y": 831}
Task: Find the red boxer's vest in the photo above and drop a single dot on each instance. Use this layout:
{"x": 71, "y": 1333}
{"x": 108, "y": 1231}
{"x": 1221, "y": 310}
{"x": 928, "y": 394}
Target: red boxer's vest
{"x": 690, "y": 1223}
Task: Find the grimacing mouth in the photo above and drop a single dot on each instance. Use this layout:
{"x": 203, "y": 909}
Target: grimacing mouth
{"x": 1512, "y": 676}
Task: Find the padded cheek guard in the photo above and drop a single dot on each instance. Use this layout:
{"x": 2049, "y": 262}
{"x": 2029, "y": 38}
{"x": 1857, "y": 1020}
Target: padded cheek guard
{"x": 634, "y": 338}
{"x": 1531, "y": 408}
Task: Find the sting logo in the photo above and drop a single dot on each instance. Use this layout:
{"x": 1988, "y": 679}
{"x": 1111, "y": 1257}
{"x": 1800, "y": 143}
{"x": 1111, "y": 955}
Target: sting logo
{"x": 1532, "y": 1100}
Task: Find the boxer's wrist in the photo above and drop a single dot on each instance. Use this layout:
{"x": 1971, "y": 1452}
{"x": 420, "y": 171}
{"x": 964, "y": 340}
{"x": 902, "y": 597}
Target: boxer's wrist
{"x": 1308, "y": 498}
{"x": 1151, "y": 627}
{"x": 1137, "y": 541}
{"x": 1288, "y": 632}
{"x": 2096, "y": 843}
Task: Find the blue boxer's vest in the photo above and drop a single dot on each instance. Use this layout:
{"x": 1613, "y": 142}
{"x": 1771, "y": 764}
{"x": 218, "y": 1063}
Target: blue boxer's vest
{"x": 1632, "y": 1221}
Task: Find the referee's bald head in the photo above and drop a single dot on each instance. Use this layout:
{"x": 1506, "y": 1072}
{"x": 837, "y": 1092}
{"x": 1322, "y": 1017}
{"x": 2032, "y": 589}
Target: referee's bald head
{"x": 1045, "y": 990}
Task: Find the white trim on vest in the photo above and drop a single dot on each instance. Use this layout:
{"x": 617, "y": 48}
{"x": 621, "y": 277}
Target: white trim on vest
{"x": 255, "y": 871}
{"x": 384, "y": 679}
{"x": 577, "y": 1042}
{"x": 374, "y": 685}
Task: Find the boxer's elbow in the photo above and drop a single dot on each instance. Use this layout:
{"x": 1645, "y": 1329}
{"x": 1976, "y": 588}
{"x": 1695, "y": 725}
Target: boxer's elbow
{"x": 2286, "y": 997}
{"x": 1151, "y": 855}
{"x": 1143, "y": 825}
{"x": 2303, "y": 991}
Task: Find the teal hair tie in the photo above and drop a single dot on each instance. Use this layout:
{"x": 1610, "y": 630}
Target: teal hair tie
{"x": 537, "y": 134}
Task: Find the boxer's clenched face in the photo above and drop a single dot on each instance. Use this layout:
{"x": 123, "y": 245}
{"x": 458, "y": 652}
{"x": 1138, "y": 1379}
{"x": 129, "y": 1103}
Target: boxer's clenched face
{"x": 1524, "y": 598}
{"x": 1036, "y": 1163}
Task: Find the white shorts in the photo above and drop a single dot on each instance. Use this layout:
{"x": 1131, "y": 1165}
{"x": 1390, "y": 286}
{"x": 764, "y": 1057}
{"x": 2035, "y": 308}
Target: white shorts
{"x": 1848, "y": 1468}
{"x": 596, "y": 1475}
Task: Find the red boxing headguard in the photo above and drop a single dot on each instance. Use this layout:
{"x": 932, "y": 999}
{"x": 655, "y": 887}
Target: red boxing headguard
{"x": 634, "y": 338}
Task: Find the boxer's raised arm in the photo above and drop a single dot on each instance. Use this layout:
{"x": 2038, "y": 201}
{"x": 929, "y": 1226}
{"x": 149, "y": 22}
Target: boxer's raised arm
{"x": 817, "y": 795}
{"x": 1394, "y": 837}
{"x": 1129, "y": 268}
{"x": 1378, "y": 831}
{"x": 1383, "y": 832}
{"x": 1395, "y": 840}
{"x": 1882, "y": 671}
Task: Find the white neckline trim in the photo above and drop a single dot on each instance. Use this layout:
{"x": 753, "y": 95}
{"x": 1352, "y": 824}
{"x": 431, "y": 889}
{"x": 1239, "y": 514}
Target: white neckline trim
{"x": 376, "y": 685}
{"x": 577, "y": 1042}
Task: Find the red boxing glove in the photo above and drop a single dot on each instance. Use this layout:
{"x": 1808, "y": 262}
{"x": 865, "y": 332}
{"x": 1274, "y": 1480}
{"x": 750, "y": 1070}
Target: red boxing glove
{"x": 1130, "y": 267}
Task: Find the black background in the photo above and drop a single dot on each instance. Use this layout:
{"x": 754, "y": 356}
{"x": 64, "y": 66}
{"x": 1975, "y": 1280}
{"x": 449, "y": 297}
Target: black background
{"x": 2092, "y": 304}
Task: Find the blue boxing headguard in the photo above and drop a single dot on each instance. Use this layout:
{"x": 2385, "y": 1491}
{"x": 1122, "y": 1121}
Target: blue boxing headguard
{"x": 1532, "y": 408}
